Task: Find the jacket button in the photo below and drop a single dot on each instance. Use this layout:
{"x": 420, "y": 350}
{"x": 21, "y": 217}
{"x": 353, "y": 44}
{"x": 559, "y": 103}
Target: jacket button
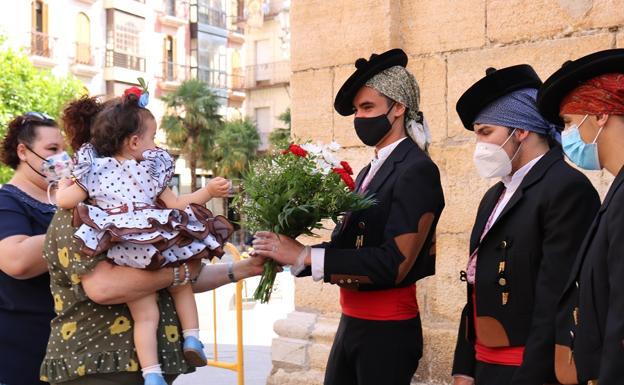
{"x": 503, "y": 245}
{"x": 502, "y": 281}
{"x": 341, "y": 281}
{"x": 357, "y": 281}
{"x": 361, "y": 225}
{"x": 348, "y": 280}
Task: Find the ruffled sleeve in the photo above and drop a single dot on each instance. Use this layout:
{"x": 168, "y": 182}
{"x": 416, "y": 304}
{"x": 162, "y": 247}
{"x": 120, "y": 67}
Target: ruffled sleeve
{"x": 83, "y": 165}
{"x": 161, "y": 167}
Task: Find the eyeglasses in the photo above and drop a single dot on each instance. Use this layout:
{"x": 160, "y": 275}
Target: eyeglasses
{"x": 38, "y": 115}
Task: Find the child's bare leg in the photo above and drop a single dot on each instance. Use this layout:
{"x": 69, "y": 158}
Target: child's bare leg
{"x": 146, "y": 314}
{"x": 184, "y": 300}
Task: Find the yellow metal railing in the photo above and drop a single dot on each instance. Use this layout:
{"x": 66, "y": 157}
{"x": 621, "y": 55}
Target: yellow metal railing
{"x": 236, "y": 366}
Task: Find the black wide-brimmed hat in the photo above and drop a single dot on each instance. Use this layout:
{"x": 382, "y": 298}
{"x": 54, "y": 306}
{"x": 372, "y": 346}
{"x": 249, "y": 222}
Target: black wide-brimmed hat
{"x": 495, "y": 84}
{"x": 366, "y": 69}
{"x": 572, "y": 74}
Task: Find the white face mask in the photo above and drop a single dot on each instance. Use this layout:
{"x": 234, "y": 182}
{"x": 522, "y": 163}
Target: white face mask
{"x": 491, "y": 160}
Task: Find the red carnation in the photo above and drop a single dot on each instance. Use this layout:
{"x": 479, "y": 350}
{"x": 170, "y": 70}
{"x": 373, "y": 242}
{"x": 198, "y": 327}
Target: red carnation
{"x": 133, "y": 90}
{"x": 297, "y": 150}
{"x": 347, "y": 167}
{"x": 346, "y": 178}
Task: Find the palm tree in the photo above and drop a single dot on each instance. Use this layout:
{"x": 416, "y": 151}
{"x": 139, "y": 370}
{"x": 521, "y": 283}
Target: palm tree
{"x": 280, "y": 137}
{"x": 191, "y": 123}
{"x": 235, "y": 146}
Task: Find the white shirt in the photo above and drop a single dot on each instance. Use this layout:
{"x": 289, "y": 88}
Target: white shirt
{"x": 512, "y": 182}
{"x": 318, "y": 254}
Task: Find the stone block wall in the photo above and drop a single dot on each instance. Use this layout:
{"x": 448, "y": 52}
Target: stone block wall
{"x": 450, "y": 43}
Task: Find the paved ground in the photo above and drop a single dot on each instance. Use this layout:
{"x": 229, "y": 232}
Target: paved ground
{"x": 258, "y": 332}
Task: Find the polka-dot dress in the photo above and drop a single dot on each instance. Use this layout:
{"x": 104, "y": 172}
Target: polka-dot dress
{"x": 87, "y": 338}
{"x": 122, "y": 217}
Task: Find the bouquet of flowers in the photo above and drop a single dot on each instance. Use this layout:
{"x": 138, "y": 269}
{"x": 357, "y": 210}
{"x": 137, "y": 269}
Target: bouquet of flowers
{"x": 292, "y": 191}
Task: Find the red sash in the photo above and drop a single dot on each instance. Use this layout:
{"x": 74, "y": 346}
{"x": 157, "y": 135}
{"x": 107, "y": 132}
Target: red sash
{"x": 380, "y": 305}
{"x": 511, "y": 355}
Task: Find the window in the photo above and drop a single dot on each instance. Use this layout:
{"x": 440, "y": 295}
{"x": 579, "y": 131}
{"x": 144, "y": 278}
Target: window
{"x": 39, "y": 43}
{"x": 170, "y": 7}
{"x": 211, "y": 12}
{"x": 124, "y": 41}
{"x": 263, "y": 123}
{"x": 169, "y": 65}
{"x": 83, "y": 39}
{"x": 212, "y": 60}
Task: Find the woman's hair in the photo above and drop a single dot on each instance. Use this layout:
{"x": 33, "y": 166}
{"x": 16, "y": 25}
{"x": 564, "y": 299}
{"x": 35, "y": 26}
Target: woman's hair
{"x": 104, "y": 124}
{"x": 22, "y": 129}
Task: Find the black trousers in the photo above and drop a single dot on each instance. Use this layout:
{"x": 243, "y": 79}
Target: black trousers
{"x": 492, "y": 374}
{"x": 374, "y": 352}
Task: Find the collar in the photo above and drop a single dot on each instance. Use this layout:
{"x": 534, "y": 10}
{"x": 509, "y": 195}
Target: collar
{"x": 385, "y": 152}
{"x": 512, "y": 182}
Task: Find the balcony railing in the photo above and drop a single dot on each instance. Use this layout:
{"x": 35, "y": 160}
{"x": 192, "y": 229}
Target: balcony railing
{"x": 237, "y": 80}
{"x": 214, "y": 17}
{"x": 174, "y": 72}
{"x": 269, "y": 74}
{"x": 124, "y": 60}
{"x": 41, "y": 44}
{"x": 84, "y": 54}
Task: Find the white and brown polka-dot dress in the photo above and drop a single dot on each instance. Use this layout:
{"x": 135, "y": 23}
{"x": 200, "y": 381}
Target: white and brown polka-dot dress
{"x": 122, "y": 216}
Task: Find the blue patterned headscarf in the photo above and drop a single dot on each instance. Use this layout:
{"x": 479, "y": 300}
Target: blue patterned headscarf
{"x": 518, "y": 110}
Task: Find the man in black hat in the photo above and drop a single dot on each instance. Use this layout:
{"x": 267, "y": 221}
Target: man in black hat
{"x": 526, "y": 233}
{"x": 376, "y": 255}
{"x": 587, "y": 96}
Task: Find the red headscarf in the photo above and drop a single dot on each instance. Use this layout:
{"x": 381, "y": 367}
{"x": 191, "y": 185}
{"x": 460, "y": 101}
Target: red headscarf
{"x": 603, "y": 94}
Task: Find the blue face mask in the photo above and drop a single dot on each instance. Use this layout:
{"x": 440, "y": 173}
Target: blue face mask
{"x": 584, "y": 155}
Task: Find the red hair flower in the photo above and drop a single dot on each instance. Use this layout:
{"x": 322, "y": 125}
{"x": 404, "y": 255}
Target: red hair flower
{"x": 296, "y": 150}
{"x": 133, "y": 90}
{"x": 346, "y": 178}
{"x": 346, "y": 167}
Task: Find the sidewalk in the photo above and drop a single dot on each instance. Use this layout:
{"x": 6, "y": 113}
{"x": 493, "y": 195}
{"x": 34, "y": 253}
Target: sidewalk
{"x": 258, "y": 331}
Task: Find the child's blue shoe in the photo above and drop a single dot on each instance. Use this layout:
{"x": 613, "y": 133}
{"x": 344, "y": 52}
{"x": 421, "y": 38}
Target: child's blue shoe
{"x": 194, "y": 352}
{"x": 154, "y": 379}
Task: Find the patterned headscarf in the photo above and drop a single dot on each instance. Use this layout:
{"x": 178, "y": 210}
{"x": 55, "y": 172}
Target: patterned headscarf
{"x": 518, "y": 110}
{"x": 603, "y": 94}
{"x": 399, "y": 84}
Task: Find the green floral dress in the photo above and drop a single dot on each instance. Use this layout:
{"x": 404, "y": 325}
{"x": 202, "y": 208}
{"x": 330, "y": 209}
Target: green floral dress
{"x": 88, "y": 338}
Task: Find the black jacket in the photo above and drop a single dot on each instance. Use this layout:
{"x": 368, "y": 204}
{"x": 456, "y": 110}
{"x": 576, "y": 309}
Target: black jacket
{"x": 391, "y": 244}
{"x": 596, "y": 287}
{"x": 523, "y": 263}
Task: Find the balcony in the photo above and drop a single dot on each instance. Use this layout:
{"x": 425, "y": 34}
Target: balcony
{"x": 124, "y": 60}
{"x": 41, "y": 50}
{"x": 267, "y": 75}
{"x": 237, "y": 80}
{"x": 172, "y": 16}
{"x": 213, "y": 17}
{"x": 123, "y": 67}
{"x": 173, "y": 75}
{"x": 84, "y": 60}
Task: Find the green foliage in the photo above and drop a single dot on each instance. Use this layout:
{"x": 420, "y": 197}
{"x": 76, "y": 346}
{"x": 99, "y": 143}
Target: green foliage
{"x": 23, "y": 88}
{"x": 290, "y": 195}
{"x": 280, "y": 137}
{"x": 191, "y": 123}
{"x": 235, "y": 146}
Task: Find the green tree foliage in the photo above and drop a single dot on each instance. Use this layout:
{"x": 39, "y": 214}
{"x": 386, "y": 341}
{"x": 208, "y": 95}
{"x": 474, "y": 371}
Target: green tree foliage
{"x": 280, "y": 137}
{"x": 236, "y": 145}
{"x": 23, "y": 88}
{"x": 191, "y": 123}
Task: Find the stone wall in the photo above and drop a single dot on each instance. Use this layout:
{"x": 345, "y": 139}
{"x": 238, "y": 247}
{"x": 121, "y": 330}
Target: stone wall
{"x": 450, "y": 43}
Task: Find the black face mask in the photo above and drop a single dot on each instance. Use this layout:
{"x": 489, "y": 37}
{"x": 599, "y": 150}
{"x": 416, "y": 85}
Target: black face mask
{"x": 372, "y": 130}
